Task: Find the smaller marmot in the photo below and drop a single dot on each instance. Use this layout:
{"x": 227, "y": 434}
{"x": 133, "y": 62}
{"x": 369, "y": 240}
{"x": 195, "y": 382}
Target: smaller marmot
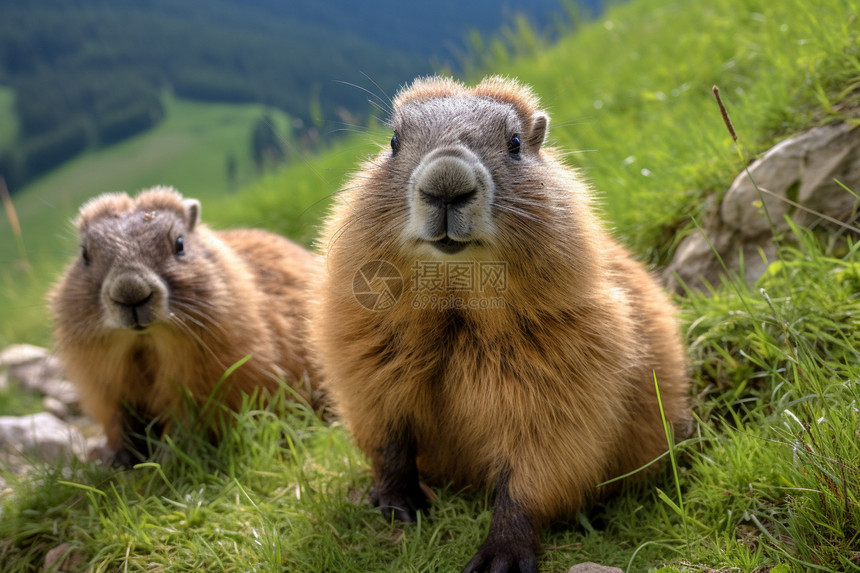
{"x": 479, "y": 327}
{"x": 156, "y": 307}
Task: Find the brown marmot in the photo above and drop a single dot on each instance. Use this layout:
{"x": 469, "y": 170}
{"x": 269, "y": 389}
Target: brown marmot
{"x": 156, "y": 307}
{"x": 512, "y": 342}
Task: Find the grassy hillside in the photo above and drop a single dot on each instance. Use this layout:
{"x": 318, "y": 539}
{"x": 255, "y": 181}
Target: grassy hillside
{"x": 770, "y": 480}
{"x": 635, "y": 96}
{"x": 188, "y": 150}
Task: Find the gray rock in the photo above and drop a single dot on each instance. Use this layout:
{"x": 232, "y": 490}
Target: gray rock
{"x": 59, "y": 389}
{"x": 56, "y": 407}
{"x": 34, "y": 374}
{"x": 40, "y": 435}
{"x": 18, "y": 354}
{"x": 796, "y": 179}
{"x": 589, "y": 567}
{"x": 696, "y": 262}
{"x": 36, "y": 369}
{"x": 802, "y": 170}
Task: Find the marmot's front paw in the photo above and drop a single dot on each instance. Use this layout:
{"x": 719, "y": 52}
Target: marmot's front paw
{"x": 399, "y": 505}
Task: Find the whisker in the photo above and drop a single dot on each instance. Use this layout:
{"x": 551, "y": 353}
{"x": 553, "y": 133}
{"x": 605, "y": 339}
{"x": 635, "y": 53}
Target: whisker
{"x": 203, "y": 320}
{"x": 576, "y": 152}
{"x": 387, "y": 97}
{"x": 188, "y": 316}
{"x": 383, "y": 109}
{"x": 376, "y": 101}
{"x": 364, "y": 128}
{"x": 175, "y": 319}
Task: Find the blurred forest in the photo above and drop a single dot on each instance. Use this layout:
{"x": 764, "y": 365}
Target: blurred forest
{"x": 89, "y": 73}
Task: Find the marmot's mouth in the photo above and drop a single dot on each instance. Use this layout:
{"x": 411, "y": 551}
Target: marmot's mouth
{"x": 450, "y": 246}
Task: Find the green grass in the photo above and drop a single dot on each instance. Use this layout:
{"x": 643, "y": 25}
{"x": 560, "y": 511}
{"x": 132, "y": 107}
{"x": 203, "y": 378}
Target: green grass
{"x": 772, "y": 478}
{"x": 769, "y": 482}
{"x": 18, "y": 402}
{"x": 188, "y": 150}
{"x": 776, "y": 371}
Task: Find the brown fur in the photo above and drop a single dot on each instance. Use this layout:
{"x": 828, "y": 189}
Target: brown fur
{"x": 230, "y": 294}
{"x": 555, "y": 391}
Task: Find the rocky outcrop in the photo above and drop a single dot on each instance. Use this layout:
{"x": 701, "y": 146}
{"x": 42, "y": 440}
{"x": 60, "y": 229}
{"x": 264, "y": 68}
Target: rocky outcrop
{"x": 37, "y": 370}
{"x": 61, "y": 431}
{"x": 796, "y": 179}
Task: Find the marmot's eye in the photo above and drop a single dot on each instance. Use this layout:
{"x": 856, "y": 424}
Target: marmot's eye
{"x": 85, "y": 255}
{"x": 180, "y": 246}
{"x": 514, "y": 145}
{"x": 395, "y": 144}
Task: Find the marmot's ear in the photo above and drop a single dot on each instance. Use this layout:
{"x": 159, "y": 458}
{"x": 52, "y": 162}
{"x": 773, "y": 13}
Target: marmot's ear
{"x": 537, "y": 130}
{"x": 192, "y": 212}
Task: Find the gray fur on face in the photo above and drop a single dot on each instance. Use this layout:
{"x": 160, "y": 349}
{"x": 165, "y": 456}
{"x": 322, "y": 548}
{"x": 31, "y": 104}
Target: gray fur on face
{"x": 449, "y": 192}
{"x": 129, "y": 251}
{"x": 454, "y": 154}
{"x": 133, "y": 297}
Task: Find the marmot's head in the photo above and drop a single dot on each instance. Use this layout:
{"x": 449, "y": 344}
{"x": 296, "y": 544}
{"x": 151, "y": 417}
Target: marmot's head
{"x": 463, "y": 162}
{"x": 140, "y": 264}
{"x": 467, "y": 178}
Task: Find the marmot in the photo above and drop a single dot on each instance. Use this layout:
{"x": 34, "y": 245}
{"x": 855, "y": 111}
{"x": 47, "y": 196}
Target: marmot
{"x": 535, "y": 379}
{"x": 156, "y": 307}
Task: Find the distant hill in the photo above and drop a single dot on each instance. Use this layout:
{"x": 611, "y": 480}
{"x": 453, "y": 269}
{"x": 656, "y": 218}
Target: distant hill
{"x": 93, "y": 71}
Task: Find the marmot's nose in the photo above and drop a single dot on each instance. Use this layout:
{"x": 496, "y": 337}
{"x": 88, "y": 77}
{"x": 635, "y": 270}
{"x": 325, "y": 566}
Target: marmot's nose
{"x": 447, "y": 180}
{"x": 444, "y": 196}
{"x": 131, "y": 291}
{"x": 133, "y": 298}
